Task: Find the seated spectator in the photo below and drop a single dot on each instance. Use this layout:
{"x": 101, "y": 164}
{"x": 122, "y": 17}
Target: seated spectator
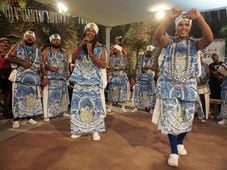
{"x": 215, "y": 83}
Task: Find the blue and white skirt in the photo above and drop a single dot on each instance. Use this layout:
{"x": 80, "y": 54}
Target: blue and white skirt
{"x": 87, "y": 112}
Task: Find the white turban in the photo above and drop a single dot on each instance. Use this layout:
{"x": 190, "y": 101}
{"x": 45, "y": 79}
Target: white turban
{"x": 55, "y": 36}
{"x": 93, "y": 26}
{"x": 29, "y": 33}
{"x": 150, "y": 48}
{"x": 182, "y": 17}
{"x": 118, "y": 47}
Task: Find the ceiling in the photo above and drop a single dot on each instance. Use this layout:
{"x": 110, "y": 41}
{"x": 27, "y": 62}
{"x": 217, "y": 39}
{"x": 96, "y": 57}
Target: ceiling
{"x": 119, "y": 12}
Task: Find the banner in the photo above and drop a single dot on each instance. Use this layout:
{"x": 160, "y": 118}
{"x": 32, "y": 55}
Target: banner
{"x": 218, "y": 47}
{"x": 15, "y": 14}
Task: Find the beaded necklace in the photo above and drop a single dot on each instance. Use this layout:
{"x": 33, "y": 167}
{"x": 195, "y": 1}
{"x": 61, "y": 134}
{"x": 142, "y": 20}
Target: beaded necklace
{"x": 176, "y": 79}
{"x": 58, "y": 59}
{"x": 29, "y": 54}
{"x": 146, "y": 61}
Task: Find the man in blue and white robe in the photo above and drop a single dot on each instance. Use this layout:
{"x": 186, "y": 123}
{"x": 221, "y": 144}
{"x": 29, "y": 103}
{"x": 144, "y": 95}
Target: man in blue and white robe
{"x": 118, "y": 84}
{"x": 54, "y": 79}
{"x": 177, "y": 87}
{"x": 144, "y": 89}
{"x": 26, "y": 97}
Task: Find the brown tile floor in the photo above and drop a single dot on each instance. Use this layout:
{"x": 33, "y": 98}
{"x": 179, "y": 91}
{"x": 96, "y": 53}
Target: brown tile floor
{"x": 131, "y": 142}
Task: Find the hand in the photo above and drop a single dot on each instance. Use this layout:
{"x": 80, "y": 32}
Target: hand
{"x": 44, "y": 82}
{"x": 53, "y": 69}
{"x": 86, "y": 40}
{"x": 175, "y": 12}
{"x": 26, "y": 64}
{"x": 193, "y": 14}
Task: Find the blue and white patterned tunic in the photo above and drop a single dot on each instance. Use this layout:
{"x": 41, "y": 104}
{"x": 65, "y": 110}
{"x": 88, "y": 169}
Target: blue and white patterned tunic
{"x": 58, "y": 97}
{"x": 177, "y": 87}
{"x": 26, "y": 98}
{"x": 118, "y": 80}
{"x": 87, "y": 112}
{"x": 144, "y": 90}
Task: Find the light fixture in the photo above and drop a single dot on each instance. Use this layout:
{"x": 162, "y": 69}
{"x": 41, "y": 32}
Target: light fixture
{"x": 159, "y": 7}
{"x": 160, "y": 15}
{"x": 61, "y": 7}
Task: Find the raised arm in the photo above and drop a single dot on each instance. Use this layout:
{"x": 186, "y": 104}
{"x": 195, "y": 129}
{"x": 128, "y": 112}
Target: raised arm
{"x": 207, "y": 35}
{"x": 160, "y": 36}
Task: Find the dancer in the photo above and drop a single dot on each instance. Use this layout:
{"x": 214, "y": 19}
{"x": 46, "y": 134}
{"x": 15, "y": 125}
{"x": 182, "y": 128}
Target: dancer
{"x": 55, "y": 74}
{"x": 176, "y": 87}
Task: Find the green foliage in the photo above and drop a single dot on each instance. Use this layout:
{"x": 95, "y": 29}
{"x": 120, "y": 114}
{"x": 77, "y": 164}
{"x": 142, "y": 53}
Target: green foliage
{"x": 119, "y": 31}
{"x": 223, "y": 31}
{"x": 137, "y": 37}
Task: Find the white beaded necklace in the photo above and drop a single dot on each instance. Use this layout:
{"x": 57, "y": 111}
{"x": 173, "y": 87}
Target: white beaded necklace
{"x": 176, "y": 79}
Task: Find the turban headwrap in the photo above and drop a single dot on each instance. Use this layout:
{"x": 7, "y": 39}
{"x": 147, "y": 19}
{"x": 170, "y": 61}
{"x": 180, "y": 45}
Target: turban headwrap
{"x": 150, "y": 48}
{"x": 93, "y": 26}
{"x": 118, "y": 47}
{"x": 182, "y": 17}
{"x": 29, "y": 33}
{"x": 55, "y": 36}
